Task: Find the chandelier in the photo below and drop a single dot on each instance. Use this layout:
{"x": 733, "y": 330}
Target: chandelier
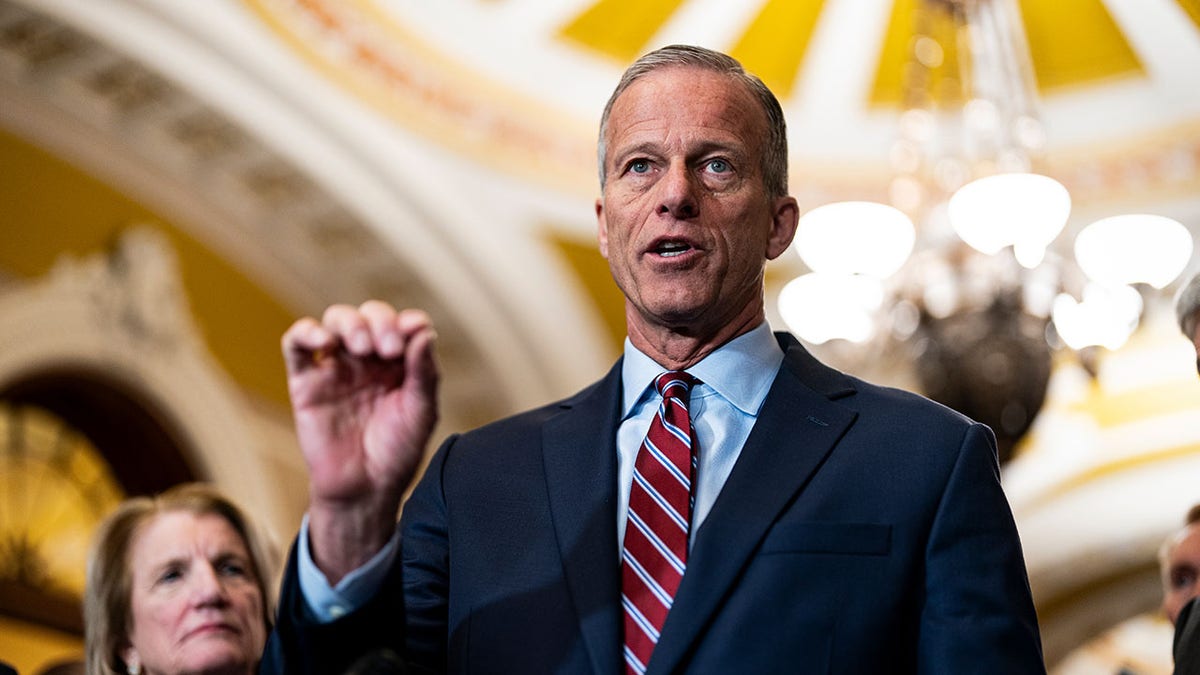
{"x": 960, "y": 274}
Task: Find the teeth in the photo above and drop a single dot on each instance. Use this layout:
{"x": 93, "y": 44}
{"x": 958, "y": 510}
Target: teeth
{"x": 672, "y": 248}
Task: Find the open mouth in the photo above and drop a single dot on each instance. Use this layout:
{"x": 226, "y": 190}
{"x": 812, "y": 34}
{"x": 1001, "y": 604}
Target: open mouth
{"x": 670, "y": 249}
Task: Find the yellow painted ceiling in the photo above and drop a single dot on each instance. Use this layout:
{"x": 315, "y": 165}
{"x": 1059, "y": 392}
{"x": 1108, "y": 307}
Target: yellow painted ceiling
{"x": 49, "y": 208}
{"x": 1071, "y": 42}
{"x": 620, "y": 29}
{"x": 773, "y": 45}
{"x": 1075, "y": 42}
{"x": 1192, "y": 7}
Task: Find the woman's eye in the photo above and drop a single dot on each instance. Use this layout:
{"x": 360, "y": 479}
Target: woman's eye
{"x": 169, "y": 575}
{"x": 231, "y": 569}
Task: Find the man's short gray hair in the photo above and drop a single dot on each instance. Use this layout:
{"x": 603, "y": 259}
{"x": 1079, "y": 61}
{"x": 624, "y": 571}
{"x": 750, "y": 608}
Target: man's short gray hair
{"x": 774, "y": 160}
{"x": 1187, "y": 306}
{"x": 1192, "y": 518}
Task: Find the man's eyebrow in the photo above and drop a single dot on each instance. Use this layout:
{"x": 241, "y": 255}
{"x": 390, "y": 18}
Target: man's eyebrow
{"x": 653, "y": 148}
{"x": 643, "y": 148}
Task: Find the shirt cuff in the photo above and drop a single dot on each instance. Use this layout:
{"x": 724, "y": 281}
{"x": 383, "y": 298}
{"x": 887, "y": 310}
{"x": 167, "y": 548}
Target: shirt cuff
{"x": 353, "y": 591}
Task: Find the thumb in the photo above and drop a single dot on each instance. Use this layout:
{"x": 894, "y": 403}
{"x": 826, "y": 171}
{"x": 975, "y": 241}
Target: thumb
{"x": 420, "y": 365}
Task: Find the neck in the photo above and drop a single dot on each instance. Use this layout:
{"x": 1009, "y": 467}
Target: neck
{"x": 683, "y": 346}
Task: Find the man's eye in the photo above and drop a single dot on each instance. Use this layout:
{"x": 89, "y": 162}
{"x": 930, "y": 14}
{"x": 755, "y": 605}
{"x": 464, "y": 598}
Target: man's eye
{"x": 718, "y": 166}
{"x": 639, "y": 166}
{"x": 1182, "y": 579}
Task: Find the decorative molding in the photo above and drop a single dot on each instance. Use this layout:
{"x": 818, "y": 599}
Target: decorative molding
{"x": 154, "y": 139}
{"x": 122, "y": 315}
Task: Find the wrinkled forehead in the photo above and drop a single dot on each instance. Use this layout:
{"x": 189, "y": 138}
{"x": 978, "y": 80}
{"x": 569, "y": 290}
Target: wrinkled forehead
{"x": 1186, "y": 544}
{"x": 691, "y": 96}
{"x": 177, "y": 529}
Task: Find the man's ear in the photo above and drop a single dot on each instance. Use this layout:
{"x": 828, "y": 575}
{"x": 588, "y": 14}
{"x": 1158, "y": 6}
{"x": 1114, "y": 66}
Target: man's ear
{"x": 601, "y": 228}
{"x": 785, "y": 216}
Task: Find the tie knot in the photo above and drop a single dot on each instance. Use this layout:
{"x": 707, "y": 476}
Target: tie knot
{"x": 675, "y": 383}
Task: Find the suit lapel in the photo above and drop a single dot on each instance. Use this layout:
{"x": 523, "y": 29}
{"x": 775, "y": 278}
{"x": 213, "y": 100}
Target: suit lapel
{"x": 796, "y": 430}
{"x": 579, "y": 454}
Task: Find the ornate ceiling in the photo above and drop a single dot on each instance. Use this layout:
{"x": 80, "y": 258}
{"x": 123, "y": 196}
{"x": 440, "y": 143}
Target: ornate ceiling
{"x": 441, "y": 154}
{"x": 526, "y": 80}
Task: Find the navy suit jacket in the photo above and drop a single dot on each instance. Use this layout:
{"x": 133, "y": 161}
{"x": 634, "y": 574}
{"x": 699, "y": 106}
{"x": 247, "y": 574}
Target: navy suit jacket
{"x": 863, "y": 530}
{"x": 1187, "y": 639}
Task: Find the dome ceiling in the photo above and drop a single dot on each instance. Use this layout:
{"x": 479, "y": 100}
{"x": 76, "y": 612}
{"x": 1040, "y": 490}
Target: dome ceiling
{"x": 526, "y": 80}
{"x": 442, "y": 154}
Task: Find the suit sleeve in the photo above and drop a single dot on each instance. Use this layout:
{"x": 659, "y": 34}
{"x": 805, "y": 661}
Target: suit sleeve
{"x": 404, "y": 620}
{"x": 1187, "y": 640}
{"x": 978, "y": 615}
{"x": 300, "y": 644}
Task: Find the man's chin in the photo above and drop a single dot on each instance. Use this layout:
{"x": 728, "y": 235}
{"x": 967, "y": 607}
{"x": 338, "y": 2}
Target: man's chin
{"x": 685, "y": 320}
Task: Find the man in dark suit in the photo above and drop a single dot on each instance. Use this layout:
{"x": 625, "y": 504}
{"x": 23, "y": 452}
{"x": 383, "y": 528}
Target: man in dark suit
{"x": 1179, "y": 561}
{"x": 1187, "y": 640}
{"x": 828, "y": 525}
{"x": 1180, "y": 556}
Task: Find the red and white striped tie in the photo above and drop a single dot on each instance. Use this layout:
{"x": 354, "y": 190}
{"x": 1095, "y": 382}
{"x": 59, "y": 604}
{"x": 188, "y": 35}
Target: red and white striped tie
{"x": 660, "y": 513}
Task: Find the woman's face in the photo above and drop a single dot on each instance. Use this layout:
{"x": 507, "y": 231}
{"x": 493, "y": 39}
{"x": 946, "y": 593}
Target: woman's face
{"x": 195, "y": 604}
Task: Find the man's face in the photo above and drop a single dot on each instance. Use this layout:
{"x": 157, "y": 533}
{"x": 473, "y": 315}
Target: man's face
{"x": 1181, "y": 573}
{"x": 1196, "y": 343}
{"x": 685, "y": 221}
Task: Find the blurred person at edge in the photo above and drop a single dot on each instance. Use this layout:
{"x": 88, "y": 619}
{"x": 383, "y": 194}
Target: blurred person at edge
{"x": 1179, "y": 560}
{"x": 178, "y": 583}
{"x": 1179, "y": 557}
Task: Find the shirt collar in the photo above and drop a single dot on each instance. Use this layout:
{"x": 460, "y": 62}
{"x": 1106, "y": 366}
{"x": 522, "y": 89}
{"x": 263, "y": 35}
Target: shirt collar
{"x": 740, "y": 371}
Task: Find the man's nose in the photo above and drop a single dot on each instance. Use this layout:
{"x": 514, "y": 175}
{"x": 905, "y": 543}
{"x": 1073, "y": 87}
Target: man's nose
{"x": 678, "y": 193}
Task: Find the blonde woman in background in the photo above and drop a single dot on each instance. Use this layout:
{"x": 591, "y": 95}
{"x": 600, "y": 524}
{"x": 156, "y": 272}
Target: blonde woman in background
{"x": 178, "y": 583}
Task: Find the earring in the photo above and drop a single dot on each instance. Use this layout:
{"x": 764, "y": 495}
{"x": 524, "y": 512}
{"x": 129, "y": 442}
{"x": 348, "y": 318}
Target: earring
{"x": 134, "y": 668}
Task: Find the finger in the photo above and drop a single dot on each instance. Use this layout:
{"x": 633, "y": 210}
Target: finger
{"x": 383, "y": 327}
{"x": 350, "y": 327}
{"x": 420, "y": 363}
{"x": 304, "y": 342}
{"x": 413, "y": 321}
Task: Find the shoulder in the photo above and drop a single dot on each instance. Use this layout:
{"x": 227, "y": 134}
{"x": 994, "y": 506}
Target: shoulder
{"x": 900, "y": 404}
{"x": 1187, "y": 638}
{"x": 871, "y": 401}
{"x": 598, "y": 400}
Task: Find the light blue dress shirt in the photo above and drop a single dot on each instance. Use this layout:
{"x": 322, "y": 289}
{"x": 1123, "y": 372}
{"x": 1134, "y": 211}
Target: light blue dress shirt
{"x": 735, "y": 380}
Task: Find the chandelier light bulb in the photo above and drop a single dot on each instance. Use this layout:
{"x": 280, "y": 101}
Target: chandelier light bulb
{"x": 981, "y": 115}
{"x": 821, "y": 307}
{"x": 855, "y": 238}
{"x": 1029, "y": 133}
{"x": 1133, "y": 249}
{"x": 1106, "y": 317}
{"x": 1008, "y": 209}
{"x": 917, "y": 125}
{"x": 1029, "y": 255}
